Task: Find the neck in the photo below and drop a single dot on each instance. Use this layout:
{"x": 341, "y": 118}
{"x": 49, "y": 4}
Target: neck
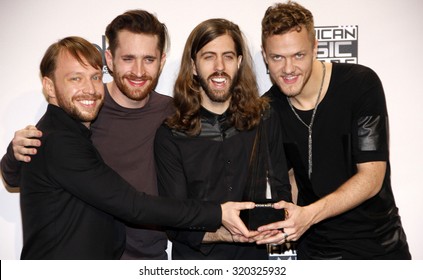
{"x": 307, "y": 99}
{"x": 214, "y": 107}
{"x": 123, "y": 100}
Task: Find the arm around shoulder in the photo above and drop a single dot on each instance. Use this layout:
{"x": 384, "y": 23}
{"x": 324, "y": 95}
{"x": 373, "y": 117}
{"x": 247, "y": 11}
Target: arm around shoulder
{"x": 10, "y": 168}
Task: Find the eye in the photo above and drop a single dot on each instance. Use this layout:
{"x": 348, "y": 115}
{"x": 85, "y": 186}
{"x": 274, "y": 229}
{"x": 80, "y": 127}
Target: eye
{"x": 150, "y": 59}
{"x": 299, "y": 55}
{"x": 276, "y": 57}
{"x": 97, "y": 77}
{"x": 229, "y": 57}
{"x": 75, "y": 79}
{"x": 127, "y": 58}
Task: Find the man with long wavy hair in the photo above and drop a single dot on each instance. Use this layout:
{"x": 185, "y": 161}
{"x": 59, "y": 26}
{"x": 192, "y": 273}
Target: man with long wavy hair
{"x": 203, "y": 150}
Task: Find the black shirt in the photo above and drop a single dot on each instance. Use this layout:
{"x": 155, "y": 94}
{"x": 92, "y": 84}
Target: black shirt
{"x": 213, "y": 166}
{"x": 70, "y": 198}
{"x": 350, "y": 127}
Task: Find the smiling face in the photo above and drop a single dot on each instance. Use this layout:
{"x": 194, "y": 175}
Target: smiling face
{"x": 136, "y": 65}
{"x": 216, "y": 66}
{"x": 76, "y": 88}
{"x": 290, "y": 57}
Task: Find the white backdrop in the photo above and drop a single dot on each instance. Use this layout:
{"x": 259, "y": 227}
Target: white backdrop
{"x": 389, "y": 41}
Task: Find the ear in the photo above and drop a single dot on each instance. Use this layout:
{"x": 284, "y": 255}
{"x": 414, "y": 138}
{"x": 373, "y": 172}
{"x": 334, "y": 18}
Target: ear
{"x": 162, "y": 61}
{"x": 239, "y": 60}
{"x": 315, "y": 48}
{"x": 263, "y": 53}
{"x": 194, "y": 68}
{"x": 49, "y": 90}
{"x": 109, "y": 59}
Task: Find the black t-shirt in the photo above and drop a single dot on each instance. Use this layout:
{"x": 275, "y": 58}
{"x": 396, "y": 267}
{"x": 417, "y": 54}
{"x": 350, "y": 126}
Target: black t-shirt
{"x": 350, "y": 127}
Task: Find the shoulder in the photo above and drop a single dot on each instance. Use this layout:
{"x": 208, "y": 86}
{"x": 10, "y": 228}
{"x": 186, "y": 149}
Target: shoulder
{"x": 163, "y": 132}
{"x": 163, "y": 103}
{"x": 353, "y": 70}
{"x": 160, "y": 98}
{"x": 273, "y": 93}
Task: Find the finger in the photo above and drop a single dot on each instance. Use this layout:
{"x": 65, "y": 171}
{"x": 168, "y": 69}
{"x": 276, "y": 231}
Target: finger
{"x": 245, "y": 205}
{"x": 23, "y": 158}
{"x": 32, "y": 131}
{"x": 23, "y": 153}
{"x": 281, "y": 204}
{"x": 20, "y": 141}
{"x": 275, "y": 239}
{"x": 272, "y": 226}
{"x": 243, "y": 229}
{"x": 27, "y": 142}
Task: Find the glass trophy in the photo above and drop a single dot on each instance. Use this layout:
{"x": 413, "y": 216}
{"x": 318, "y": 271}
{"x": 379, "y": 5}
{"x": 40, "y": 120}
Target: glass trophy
{"x": 260, "y": 187}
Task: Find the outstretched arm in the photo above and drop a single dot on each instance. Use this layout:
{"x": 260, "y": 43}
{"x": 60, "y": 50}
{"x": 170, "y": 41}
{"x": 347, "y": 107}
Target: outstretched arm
{"x": 366, "y": 183}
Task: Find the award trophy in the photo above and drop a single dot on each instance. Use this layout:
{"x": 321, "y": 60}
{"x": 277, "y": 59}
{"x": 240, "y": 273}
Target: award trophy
{"x": 260, "y": 187}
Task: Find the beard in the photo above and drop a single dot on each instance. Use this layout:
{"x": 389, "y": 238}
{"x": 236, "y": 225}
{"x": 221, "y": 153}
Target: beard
{"x": 215, "y": 95}
{"x": 134, "y": 93}
{"x": 77, "y": 113}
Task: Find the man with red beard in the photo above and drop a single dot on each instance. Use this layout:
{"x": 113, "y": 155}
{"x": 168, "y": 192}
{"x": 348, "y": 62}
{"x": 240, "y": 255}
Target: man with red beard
{"x": 203, "y": 150}
{"x": 125, "y": 128}
{"x": 70, "y": 199}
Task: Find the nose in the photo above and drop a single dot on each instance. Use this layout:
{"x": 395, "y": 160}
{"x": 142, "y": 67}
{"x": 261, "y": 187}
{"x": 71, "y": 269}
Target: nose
{"x": 138, "y": 67}
{"x": 89, "y": 87}
{"x": 219, "y": 64}
{"x": 289, "y": 66}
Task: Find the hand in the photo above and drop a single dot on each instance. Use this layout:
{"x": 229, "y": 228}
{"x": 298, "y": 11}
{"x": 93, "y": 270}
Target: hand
{"x": 297, "y": 221}
{"x": 263, "y": 235}
{"x": 223, "y": 235}
{"x": 23, "y": 143}
{"x": 230, "y": 217}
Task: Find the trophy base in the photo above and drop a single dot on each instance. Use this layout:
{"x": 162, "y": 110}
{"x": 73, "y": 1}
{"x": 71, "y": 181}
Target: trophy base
{"x": 262, "y": 214}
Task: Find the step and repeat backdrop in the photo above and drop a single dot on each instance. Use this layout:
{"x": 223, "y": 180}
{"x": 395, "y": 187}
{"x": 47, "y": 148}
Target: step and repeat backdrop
{"x": 382, "y": 34}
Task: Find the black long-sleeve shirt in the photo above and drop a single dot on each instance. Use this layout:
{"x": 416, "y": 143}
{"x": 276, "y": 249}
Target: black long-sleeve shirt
{"x": 214, "y": 167}
{"x": 70, "y": 199}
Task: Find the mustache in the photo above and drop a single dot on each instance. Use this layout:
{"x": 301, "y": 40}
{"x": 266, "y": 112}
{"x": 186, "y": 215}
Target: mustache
{"x": 94, "y": 96}
{"x": 219, "y": 74}
{"x": 143, "y": 77}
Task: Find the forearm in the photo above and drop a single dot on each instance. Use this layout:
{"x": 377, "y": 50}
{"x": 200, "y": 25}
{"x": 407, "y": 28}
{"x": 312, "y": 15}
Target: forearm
{"x": 220, "y": 235}
{"x": 10, "y": 168}
{"x": 359, "y": 188}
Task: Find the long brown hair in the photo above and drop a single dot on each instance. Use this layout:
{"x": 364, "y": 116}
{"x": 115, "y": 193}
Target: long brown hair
{"x": 246, "y": 105}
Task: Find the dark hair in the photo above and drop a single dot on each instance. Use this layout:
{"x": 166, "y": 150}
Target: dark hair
{"x": 78, "y": 47}
{"x": 246, "y": 105}
{"x": 283, "y": 17}
{"x": 139, "y": 22}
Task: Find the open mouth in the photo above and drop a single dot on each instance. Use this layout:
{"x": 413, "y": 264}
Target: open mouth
{"x": 219, "y": 82}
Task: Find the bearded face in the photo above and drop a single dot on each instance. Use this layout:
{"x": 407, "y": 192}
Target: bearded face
{"x": 216, "y": 67}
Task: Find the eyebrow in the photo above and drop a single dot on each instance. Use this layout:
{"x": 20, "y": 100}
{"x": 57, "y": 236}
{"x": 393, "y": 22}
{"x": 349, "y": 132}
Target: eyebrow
{"x": 134, "y": 56}
{"x": 214, "y": 53}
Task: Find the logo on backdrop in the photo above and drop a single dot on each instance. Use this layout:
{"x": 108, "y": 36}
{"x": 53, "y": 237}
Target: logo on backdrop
{"x": 103, "y": 49}
{"x": 337, "y": 43}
